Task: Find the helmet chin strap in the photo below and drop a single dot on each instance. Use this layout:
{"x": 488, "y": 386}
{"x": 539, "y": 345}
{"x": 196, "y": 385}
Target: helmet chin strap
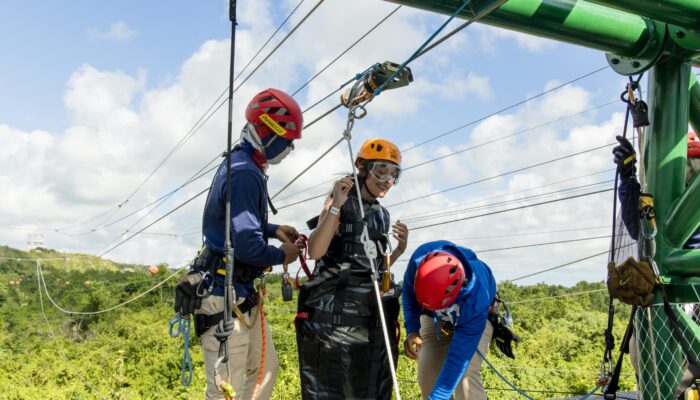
{"x": 366, "y": 186}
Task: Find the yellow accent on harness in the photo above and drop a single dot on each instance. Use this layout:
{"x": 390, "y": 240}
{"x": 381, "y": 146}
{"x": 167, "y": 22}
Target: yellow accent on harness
{"x": 221, "y": 271}
{"x": 630, "y": 159}
{"x": 272, "y": 124}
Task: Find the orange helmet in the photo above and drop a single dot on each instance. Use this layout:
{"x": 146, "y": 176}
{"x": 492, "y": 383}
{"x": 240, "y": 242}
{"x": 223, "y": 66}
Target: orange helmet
{"x": 379, "y": 149}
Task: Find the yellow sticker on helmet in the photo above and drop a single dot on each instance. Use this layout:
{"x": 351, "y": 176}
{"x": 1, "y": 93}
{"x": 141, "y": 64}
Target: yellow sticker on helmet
{"x": 272, "y": 124}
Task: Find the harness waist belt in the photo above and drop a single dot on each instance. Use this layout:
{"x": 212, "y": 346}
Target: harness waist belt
{"x": 336, "y": 319}
{"x": 202, "y": 322}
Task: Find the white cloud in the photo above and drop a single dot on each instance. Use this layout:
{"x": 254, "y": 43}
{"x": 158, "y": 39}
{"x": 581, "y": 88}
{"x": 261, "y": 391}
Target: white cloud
{"x": 490, "y": 35}
{"x": 118, "y": 31}
{"x": 121, "y": 128}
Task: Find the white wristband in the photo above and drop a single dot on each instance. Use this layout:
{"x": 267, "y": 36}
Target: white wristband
{"x": 334, "y": 210}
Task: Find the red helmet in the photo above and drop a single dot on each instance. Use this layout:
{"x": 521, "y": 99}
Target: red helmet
{"x": 274, "y": 111}
{"x": 438, "y": 280}
{"x": 693, "y": 145}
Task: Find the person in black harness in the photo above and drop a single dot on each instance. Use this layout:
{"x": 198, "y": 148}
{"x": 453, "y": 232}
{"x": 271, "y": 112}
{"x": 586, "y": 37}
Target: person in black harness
{"x": 341, "y": 346}
{"x": 274, "y": 122}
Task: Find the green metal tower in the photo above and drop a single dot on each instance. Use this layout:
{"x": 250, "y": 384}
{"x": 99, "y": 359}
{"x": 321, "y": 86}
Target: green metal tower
{"x": 662, "y": 37}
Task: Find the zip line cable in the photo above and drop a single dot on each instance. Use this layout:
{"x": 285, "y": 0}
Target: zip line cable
{"x": 519, "y": 234}
{"x": 444, "y": 210}
{"x": 201, "y": 121}
{"x": 565, "y": 264}
{"x": 558, "y": 296}
{"x": 553, "y": 160}
{"x": 284, "y": 39}
{"x": 392, "y": 12}
{"x": 507, "y": 108}
{"x": 154, "y": 222}
{"x": 445, "y": 156}
{"x": 80, "y": 377}
{"x": 526, "y": 130}
{"x": 269, "y": 39}
{"x": 511, "y": 209}
{"x": 505, "y": 202}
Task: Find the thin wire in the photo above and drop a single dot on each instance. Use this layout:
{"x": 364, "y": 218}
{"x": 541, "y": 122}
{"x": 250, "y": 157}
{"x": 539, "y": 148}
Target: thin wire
{"x": 564, "y": 265}
{"x": 154, "y": 222}
{"x": 517, "y": 234}
{"x": 543, "y": 244}
{"x": 557, "y": 297}
{"x": 290, "y": 33}
{"x": 55, "y": 338}
{"x": 507, "y": 108}
{"x": 502, "y": 174}
{"x": 131, "y": 300}
{"x": 476, "y": 146}
{"x": 511, "y": 209}
{"x": 347, "y": 49}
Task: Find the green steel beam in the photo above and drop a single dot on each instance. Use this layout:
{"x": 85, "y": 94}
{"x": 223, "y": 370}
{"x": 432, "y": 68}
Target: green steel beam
{"x": 573, "y": 21}
{"x": 685, "y": 13}
{"x": 694, "y": 112}
{"x": 665, "y": 146}
{"x": 684, "y": 260}
{"x": 684, "y": 217}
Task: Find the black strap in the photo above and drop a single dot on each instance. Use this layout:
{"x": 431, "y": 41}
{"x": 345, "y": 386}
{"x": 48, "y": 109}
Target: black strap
{"x": 340, "y": 289}
{"x": 202, "y": 322}
{"x": 613, "y": 386}
{"x": 340, "y": 319}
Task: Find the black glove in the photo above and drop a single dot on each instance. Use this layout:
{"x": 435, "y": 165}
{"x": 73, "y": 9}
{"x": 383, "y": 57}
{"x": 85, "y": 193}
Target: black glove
{"x": 186, "y": 299}
{"x": 625, "y": 157}
{"x": 503, "y": 336}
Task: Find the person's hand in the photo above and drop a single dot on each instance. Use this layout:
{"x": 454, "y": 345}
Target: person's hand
{"x": 186, "y": 299}
{"x": 286, "y": 233}
{"x": 412, "y": 345}
{"x": 341, "y": 188}
{"x": 400, "y": 232}
{"x": 625, "y": 157}
{"x": 291, "y": 251}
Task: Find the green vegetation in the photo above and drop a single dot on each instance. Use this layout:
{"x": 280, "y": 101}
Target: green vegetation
{"x": 128, "y": 354}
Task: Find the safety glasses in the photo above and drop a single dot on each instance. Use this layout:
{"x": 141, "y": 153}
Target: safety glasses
{"x": 385, "y": 171}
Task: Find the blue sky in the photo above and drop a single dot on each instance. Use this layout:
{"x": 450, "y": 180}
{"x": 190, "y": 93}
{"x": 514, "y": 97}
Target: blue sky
{"x": 95, "y": 94}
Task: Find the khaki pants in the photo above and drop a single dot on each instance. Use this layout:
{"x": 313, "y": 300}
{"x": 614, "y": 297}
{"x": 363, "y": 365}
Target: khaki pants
{"x": 432, "y": 356}
{"x": 244, "y": 348}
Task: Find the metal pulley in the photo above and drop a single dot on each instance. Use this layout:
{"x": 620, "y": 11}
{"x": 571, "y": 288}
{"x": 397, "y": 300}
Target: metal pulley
{"x": 364, "y": 88}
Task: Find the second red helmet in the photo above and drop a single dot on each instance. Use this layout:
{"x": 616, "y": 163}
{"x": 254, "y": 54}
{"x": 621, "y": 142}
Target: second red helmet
{"x": 273, "y": 111}
{"x": 439, "y": 278}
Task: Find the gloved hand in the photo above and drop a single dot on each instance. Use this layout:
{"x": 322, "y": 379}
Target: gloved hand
{"x": 625, "y": 157}
{"x": 632, "y": 282}
{"x": 186, "y": 299}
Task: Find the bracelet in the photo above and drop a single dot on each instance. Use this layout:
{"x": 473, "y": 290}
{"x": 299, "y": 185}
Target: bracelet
{"x": 334, "y": 210}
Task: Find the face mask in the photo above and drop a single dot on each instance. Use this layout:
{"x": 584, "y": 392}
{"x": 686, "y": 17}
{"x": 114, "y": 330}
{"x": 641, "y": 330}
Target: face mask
{"x": 281, "y": 156}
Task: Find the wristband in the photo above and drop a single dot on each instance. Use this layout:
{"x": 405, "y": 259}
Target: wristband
{"x": 334, "y": 210}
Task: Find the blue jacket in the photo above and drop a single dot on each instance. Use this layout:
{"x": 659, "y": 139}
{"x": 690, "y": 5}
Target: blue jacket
{"x": 468, "y": 313}
{"x": 628, "y": 192}
{"x": 248, "y": 215}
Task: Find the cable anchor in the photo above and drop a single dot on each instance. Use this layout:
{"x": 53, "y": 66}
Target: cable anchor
{"x": 374, "y": 77}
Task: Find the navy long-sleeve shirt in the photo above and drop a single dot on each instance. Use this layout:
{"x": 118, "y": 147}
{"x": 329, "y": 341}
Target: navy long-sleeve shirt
{"x": 248, "y": 215}
{"x": 468, "y": 313}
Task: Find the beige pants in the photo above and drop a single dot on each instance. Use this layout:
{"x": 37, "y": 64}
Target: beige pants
{"x": 244, "y": 348}
{"x": 432, "y": 356}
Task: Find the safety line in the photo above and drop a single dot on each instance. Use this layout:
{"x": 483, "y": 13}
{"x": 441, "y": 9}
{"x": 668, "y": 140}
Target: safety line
{"x": 503, "y": 378}
{"x": 512, "y": 209}
{"x": 502, "y": 174}
{"x": 131, "y": 300}
{"x": 507, "y": 108}
{"x": 543, "y": 244}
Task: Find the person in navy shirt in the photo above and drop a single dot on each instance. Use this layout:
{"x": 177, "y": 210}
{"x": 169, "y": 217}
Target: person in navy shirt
{"x": 447, "y": 296}
{"x": 274, "y": 121}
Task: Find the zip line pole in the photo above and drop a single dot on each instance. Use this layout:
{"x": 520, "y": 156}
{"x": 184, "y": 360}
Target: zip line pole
{"x": 229, "y": 292}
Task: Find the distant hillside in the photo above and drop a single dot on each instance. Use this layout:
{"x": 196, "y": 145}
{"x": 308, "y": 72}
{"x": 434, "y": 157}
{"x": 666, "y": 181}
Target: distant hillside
{"x": 68, "y": 261}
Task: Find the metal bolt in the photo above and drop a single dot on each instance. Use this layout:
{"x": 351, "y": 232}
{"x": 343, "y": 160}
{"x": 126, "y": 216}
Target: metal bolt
{"x": 680, "y": 34}
{"x": 635, "y": 64}
{"x": 615, "y": 61}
